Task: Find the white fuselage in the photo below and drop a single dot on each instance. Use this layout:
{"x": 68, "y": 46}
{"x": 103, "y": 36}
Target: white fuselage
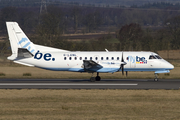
{"x": 110, "y": 61}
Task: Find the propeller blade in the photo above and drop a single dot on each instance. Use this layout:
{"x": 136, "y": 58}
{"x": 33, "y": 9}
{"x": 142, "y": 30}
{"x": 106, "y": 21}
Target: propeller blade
{"x": 122, "y": 65}
{"x": 122, "y": 69}
{"x": 122, "y": 60}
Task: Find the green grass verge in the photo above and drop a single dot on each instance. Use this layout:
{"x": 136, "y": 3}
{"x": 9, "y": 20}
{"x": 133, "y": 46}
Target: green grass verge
{"x": 90, "y": 104}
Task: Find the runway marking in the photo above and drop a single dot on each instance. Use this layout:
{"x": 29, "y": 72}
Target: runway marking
{"x": 65, "y": 84}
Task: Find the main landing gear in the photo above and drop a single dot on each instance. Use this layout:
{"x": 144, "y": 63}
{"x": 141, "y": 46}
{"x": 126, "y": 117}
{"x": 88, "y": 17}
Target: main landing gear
{"x": 97, "y": 78}
{"x": 156, "y": 77}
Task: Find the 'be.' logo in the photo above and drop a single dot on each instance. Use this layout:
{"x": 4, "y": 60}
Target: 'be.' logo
{"x": 46, "y": 57}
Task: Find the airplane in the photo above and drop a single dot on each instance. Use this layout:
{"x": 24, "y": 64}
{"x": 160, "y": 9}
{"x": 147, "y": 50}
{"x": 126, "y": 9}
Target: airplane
{"x": 27, "y": 53}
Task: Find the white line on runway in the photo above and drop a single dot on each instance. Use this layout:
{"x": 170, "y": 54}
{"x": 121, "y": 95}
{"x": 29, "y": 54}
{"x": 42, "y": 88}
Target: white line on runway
{"x": 65, "y": 84}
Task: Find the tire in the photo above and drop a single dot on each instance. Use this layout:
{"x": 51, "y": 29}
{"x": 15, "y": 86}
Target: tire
{"x": 92, "y": 79}
{"x": 155, "y": 79}
{"x": 98, "y": 78}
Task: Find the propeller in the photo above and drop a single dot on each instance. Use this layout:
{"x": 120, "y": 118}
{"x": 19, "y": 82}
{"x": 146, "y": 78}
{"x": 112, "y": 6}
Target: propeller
{"x": 122, "y": 64}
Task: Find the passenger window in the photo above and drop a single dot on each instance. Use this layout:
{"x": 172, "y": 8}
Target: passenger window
{"x": 64, "y": 58}
{"x": 80, "y": 58}
{"x": 69, "y": 58}
{"x": 117, "y": 58}
{"x": 107, "y": 58}
{"x": 90, "y": 58}
{"x": 96, "y": 58}
{"x": 152, "y": 57}
{"x": 101, "y": 58}
{"x": 75, "y": 58}
{"x": 112, "y": 58}
{"x": 85, "y": 58}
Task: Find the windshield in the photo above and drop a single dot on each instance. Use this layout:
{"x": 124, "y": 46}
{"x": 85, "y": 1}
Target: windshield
{"x": 152, "y": 57}
{"x": 158, "y": 57}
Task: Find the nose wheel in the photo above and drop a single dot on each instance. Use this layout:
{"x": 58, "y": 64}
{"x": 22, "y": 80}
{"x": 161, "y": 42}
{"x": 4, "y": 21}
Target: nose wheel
{"x": 97, "y": 78}
{"x": 156, "y": 77}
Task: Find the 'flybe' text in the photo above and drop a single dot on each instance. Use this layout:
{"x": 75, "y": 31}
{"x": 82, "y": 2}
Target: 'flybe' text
{"x": 138, "y": 60}
{"x": 26, "y": 44}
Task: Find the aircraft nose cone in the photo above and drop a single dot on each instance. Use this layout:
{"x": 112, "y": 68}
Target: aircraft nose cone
{"x": 171, "y": 66}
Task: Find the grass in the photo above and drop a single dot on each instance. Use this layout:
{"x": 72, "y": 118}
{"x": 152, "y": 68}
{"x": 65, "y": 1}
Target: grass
{"x": 27, "y": 74}
{"x": 32, "y": 72}
{"x": 89, "y": 104}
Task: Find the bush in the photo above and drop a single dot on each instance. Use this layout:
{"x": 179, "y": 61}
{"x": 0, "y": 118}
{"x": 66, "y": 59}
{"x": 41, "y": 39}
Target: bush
{"x": 167, "y": 74}
{"x": 2, "y": 74}
{"x": 27, "y": 74}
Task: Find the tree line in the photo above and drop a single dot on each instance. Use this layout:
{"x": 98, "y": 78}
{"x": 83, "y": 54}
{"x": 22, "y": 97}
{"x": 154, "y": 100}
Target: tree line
{"x": 88, "y": 17}
{"x": 162, "y": 32}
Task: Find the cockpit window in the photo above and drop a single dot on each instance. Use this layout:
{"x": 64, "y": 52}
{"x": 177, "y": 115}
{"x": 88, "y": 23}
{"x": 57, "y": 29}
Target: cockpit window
{"x": 158, "y": 57}
{"x": 152, "y": 57}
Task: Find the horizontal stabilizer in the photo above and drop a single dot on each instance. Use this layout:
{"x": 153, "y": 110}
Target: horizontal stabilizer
{"x": 24, "y": 64}
{"x": 12, "y": 57}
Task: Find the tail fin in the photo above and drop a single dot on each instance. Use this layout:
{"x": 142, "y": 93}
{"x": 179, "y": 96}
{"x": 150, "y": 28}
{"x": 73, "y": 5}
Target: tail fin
{"x": 19, "y": 41}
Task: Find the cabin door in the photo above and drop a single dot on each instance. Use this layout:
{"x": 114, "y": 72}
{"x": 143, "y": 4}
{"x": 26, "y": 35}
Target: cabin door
{"x": 133, "y": 62}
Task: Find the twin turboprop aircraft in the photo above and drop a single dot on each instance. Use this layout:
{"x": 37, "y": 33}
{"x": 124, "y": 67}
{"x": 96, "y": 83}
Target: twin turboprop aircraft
{"x": 27, "y": 53}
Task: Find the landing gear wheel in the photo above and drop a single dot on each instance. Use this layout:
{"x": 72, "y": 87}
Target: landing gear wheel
{"x": 98, "y": 78}
{"x": 155, "y": 79}
{"x": 92, "y": 79}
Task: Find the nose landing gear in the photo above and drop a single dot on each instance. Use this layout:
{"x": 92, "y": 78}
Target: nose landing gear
{"x": 156, "y": 77}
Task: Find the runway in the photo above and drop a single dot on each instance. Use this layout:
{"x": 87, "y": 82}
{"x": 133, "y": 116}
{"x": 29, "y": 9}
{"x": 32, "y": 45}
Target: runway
{"x": 86, "y": 84}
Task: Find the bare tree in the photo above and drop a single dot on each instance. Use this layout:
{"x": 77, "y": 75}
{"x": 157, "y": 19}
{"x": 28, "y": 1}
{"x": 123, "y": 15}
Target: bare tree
{"x": 51, "y": 25}
{"x": 76, "y": 17}
{"x": 129, "y": 36}
{"x": 173, "y": 25}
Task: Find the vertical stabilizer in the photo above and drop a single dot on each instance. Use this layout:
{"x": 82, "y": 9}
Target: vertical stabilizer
{"x": 18, "y": 40}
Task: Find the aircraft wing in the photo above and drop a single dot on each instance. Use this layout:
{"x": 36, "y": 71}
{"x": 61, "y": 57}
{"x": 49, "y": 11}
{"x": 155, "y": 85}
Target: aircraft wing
{"x": 91, "y": 66}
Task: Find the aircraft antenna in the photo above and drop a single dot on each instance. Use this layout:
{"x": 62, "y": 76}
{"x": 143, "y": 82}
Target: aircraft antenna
{"x": 106, "y": 50}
